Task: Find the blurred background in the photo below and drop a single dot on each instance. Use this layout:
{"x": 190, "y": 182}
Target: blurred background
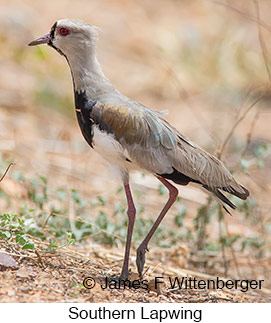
{"x": 207, "y": 62}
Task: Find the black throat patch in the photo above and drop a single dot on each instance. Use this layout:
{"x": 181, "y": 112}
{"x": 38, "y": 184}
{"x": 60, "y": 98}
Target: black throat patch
{"x": 83, "y": 112}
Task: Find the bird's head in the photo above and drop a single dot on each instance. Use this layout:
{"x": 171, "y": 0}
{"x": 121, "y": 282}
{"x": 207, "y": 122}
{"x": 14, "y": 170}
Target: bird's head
{"x": 68, "y": 36}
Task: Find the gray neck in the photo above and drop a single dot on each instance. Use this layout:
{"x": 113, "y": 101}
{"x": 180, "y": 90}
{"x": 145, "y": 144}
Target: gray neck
{"x": 87, "y": 74}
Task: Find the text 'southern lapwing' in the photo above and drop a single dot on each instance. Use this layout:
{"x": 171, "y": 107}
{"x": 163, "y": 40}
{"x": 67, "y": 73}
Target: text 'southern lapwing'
{"x": 131, "y": 136}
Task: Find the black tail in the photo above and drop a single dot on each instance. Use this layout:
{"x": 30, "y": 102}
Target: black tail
{"x": 221, "y": 197}
{"x": 231, "y": 190}
{"x": 182, "y": 179}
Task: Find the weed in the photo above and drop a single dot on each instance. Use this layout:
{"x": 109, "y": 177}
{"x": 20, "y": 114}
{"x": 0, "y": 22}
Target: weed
{"x": 60, "y": 216}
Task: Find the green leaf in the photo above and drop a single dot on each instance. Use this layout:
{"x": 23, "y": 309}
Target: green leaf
{"x": 70, "y": 242}
{"x": 178, "y": 220}
{"x": 101, "y": 200}
{"x": 35, "y": 232}
{"x": 5, "y": 234}
{"x": 119, "y": 190}
{"x": 29, "y": 246}
{"x": 21, "y": 239}
{"x": 234, "y": 238}
{"x": 53, "y": 245}
{"x": 43, "y": 179}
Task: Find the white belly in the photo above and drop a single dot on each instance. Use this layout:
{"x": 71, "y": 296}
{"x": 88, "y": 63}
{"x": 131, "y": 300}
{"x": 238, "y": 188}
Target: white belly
{"x": 111, "y": 150}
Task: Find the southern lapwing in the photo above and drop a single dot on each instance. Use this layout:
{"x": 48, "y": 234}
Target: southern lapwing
{"x": 131, "y": 136}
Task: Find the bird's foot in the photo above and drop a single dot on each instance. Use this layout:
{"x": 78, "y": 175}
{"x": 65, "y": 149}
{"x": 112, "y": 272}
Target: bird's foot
{"x": 140, "y": 259}
{"x": 118, "y": 281}
{"x": 123, "y": 276}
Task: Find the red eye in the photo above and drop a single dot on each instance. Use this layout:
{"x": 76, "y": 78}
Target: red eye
{"x": 64, "y": 31}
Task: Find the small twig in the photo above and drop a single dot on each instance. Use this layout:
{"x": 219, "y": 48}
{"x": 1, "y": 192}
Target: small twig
{"x": 39, "y": 258}
{"x": 19, "y": 255}
{"x": 9, "y": 230}
{"x": 241, "y": 118}
{"x": 186, "y": 98}
{"x": 153, "y": 269}
{"x": 5, "y": 173}
{"x": 100, "y": 230}
{"x": 252, "y": 18}
{"x": 249, "y": 135}
{"x": 146, "y": 270}
{"x": 14, "y": 254}
{"x": 46, "y": 221}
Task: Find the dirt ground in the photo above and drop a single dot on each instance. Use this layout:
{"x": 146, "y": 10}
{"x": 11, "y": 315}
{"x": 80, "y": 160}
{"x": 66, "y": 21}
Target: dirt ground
{"x": 59, "y": 278}
{"x": 201, "y": 61}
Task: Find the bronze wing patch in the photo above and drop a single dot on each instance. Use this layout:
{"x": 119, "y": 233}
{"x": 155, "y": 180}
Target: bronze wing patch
{"x": 134, "y": 126}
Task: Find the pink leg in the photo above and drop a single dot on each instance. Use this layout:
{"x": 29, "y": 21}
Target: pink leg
{"x": 141, "y": 250}
{"x": 131, "y": 212}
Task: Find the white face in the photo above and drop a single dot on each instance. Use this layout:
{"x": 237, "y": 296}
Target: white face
{"x": 76, "y": 41}
{"x": 64, "y": 37}
{"x": 67, "y": 36}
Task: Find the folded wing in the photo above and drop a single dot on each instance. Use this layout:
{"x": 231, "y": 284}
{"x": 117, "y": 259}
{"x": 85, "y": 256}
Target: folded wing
{"x": 157, "y": 147}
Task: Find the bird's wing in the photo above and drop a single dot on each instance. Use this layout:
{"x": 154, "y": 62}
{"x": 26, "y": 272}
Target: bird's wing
{"x": 142, "y": 133}
{"x": 135, "y": 126}
{"x": 158, "y": 147}
{"x": 206, "y": 169}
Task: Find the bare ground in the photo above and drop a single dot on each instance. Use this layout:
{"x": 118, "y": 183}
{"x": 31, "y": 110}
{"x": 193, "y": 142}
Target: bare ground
{"x": 59, "y": 277}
